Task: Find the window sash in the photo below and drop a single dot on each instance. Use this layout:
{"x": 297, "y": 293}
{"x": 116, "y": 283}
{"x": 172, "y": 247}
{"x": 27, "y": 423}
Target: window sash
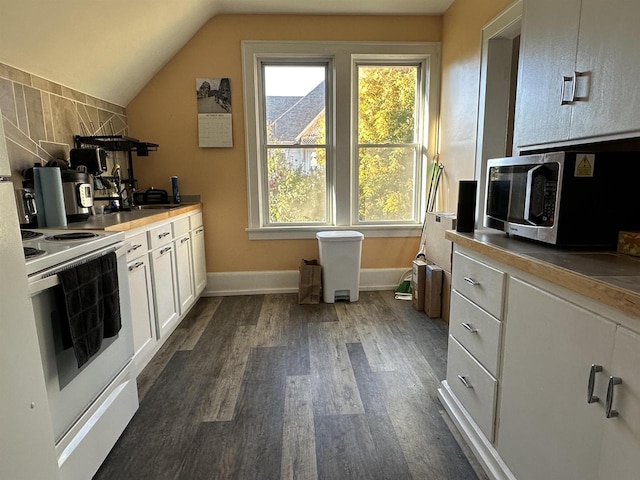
{"x": 342, "y": 175}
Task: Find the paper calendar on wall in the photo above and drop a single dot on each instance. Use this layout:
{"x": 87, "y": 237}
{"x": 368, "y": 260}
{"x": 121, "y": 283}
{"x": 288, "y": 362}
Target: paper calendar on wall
{"x": 214, "y": 112}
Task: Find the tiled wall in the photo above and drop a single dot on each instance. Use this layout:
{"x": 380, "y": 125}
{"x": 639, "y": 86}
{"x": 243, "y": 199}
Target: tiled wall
{"x": 40, "y": 119}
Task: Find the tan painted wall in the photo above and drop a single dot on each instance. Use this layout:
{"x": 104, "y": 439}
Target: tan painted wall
{"x": 460, "y": 90}
{"x": 165, "y": 112}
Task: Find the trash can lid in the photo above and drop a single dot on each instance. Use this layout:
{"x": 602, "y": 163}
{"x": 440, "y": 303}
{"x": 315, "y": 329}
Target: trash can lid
{"x": 340, "y": 236}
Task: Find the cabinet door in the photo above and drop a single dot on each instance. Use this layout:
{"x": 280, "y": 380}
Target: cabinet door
{"x": 184, "y": 270}
{"x": 621, "y": 442}
{"x": 547, "y": 54}
{"x": 164, "y": 287}
{"x": 609, "y": 55}
{"x": 144, "y": 328}
{"x": 199, "y": 261}
{"x": 547, "y": 428}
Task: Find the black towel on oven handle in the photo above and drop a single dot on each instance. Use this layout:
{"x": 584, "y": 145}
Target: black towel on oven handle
{"x": 91, "y": 305}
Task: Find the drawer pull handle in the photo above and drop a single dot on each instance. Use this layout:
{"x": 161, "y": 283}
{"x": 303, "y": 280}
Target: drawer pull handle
{"x": 135, "y": 266}
{"x": 591, "y": 398}
{"x": 163, "y": 234}
{"x": 184, "y": 240}
{"x": 613, "y": 381}
{"x": 471, "y": 281}
{"x": 165, "y": 250}
{"x": 470, "y": 328}
{"x": 134, "y": 248}
{"x": 464, "y": 381}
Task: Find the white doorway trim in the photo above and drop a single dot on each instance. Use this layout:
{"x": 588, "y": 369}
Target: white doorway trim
{"x": 495, "y": 87}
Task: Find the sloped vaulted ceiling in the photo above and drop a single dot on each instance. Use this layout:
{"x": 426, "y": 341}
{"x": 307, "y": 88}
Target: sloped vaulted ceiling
{"x": 111, "y": 48}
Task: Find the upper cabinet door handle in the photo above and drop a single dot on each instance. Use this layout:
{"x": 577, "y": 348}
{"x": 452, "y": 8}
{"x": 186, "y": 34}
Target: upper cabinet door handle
{"x": 595, "y": 369}
{"x": 471, "y": 281}
{"x": 565, "y": 80}
{"x": 613, "y": 381}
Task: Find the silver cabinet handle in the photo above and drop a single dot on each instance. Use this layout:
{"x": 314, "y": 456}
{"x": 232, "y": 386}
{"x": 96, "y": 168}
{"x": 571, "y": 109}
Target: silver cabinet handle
{"x": 591, "y": 398}
{"x": 464, "y": 381}
{"x": 575, "y": 98}
{"x": 200, "y": 230}
{"x": 184, "y": 240}
{"x": 566, "y": 79}
{"x": 470, "y": 328}
{"x": 165, "y": 250}
{"x": 134, "y": 248}
{"x": 135, "y": 266}
{"x": 471, "y": 281}
{"x": 163, "y": 234}
{"x": 613, "y": 381}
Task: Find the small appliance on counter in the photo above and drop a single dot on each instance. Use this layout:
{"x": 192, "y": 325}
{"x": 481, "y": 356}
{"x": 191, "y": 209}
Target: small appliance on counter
{"x": 77, "y": 191}
{"x": 570, "y": 199}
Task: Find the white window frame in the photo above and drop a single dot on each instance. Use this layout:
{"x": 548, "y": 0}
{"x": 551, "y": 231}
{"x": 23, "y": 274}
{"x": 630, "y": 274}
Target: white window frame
{"x": 341, "y": 169}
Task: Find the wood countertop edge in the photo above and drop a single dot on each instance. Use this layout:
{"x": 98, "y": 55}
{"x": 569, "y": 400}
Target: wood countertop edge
{"x": 153, "y": 218}
{"x": 593, "y": 288}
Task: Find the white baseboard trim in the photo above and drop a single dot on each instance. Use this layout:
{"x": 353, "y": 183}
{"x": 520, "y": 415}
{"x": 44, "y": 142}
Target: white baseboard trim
{"x": 286, "y": 281}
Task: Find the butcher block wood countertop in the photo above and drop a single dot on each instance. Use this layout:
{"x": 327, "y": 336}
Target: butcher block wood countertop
{"x": 123, "y": 221}
{"x": 607, "y": 277}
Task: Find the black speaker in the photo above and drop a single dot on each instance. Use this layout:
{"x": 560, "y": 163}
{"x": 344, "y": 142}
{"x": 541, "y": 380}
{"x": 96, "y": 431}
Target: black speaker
{"x": 466, "y": 206}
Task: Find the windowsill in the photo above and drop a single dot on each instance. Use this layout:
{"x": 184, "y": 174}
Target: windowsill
{"x": 369, "y": 231}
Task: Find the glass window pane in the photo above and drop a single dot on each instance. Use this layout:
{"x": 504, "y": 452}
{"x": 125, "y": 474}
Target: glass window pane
{"x": 295, "y": 104}
{"x": 387, "y": 104}
{"x": 386, "y": 183}
{"x": 297, "y": 179}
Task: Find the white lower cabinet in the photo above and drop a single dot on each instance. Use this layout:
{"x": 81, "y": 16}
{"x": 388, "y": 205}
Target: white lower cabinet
{"x": 547, "y": 428}
{"x": 198, "y": 254}
{"x": 167, "y": 274}
{"x": 184, "y": 272}
{"x": 142, "y": 311}
{"x": 620, "y": 454}
{"x": 163, "y": 269}
{"x": 563, "y": 401}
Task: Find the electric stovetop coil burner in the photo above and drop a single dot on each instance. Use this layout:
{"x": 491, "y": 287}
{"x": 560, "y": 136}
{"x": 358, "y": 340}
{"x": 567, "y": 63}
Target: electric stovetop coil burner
{"x": 30, "y": 234}
{"x": 64, "y": 237}
{"x": 30, "y": 252}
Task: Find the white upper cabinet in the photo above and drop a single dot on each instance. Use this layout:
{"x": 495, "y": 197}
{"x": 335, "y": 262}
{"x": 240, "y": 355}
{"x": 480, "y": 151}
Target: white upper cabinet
{"x": 578, "y": 71}
{"x": 609, "y": 57}
{"x": 547, "y": 56}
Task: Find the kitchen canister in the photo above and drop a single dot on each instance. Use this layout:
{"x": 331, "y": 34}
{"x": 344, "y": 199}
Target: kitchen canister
{"x": 47, "y": 182}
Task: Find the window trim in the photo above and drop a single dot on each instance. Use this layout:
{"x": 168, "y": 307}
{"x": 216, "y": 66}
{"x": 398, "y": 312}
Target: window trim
{"x": 344, "y": 55}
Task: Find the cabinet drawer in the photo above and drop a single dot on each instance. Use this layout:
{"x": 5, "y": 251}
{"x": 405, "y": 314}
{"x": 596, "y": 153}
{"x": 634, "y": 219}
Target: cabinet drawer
{"x": 478, "y": 396}
{"x": 160, "y": 235}
{"x": 476, "y": 330}
{"x": 480, "y": 283}
{"x": 195, "y": 221}
{"x": 180, "y": 227}
{"x": 138, "y": 245}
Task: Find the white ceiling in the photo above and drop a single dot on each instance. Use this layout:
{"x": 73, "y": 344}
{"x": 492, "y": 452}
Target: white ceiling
{"x": 110, "y": 49}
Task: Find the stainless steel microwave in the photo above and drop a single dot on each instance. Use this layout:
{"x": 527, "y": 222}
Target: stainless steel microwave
{"x": 569, "y": 199}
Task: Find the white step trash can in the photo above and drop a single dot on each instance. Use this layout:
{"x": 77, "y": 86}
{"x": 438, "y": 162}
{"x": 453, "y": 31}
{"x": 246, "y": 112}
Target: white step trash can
{"x": 340, "y": 253}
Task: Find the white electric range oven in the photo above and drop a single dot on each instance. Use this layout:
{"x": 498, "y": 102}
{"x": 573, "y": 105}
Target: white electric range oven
{"x": 92, "y": 404}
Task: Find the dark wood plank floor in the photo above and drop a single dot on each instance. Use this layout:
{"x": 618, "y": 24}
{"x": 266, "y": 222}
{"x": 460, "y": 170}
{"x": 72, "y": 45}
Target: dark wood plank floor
{"x": 259, "y": 387}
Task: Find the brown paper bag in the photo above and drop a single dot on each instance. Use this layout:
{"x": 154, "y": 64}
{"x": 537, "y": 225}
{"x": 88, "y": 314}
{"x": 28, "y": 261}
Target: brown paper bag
{"x": 309, "y": 289}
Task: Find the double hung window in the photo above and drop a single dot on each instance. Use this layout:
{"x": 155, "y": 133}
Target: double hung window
{"x": 338, "y": 136}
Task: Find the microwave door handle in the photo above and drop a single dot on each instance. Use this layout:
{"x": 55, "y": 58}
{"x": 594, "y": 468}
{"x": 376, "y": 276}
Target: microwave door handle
{"x": 529, "y": 190}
